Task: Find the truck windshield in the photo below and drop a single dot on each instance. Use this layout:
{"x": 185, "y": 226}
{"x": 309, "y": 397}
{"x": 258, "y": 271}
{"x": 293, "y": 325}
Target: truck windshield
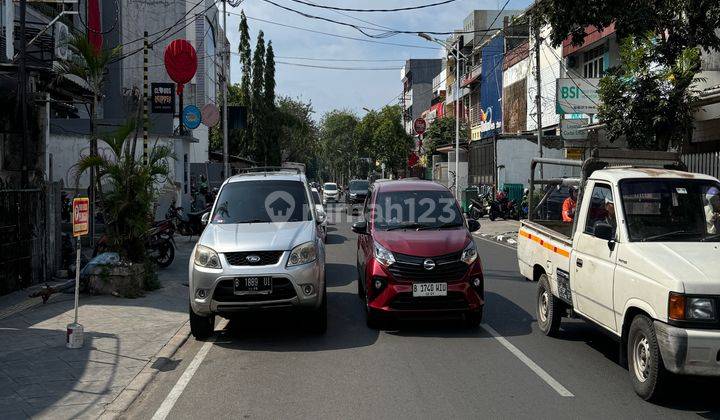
{"x": 263, "y": 201}
{"x": 416, "y": 210}
{"x": 677, "y": 210}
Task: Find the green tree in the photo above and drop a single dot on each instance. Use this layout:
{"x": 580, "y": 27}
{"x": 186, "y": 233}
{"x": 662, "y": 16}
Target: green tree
{"x": 668, "y": 34}
{"x": 245, "y": 60}
{"x": 256, "y": 118}
{"x": 441, "y": 132}
{"x": 271, "y": 127}
{"x": 337, "y": 144}
{"x": 298, "y": 133}
{"x": 390, "y": 143}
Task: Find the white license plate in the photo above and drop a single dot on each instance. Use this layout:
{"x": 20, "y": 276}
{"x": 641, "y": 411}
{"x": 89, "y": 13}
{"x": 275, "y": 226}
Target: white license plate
{"x": 429, "y": 289}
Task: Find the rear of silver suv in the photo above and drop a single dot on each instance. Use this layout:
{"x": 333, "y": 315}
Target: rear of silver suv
{"x": 259, "y": 251}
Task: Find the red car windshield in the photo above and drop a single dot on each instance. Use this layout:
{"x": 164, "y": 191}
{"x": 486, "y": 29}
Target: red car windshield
{"x": 416, "y": 210}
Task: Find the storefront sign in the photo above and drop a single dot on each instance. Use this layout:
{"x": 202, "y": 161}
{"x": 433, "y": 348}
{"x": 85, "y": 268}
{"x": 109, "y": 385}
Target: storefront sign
{"x": 577, "y": 96}
{"x": 191, "y": 117}
{"x": 572, "y": 129}
{"x": 162, "y": 98}
{"x": 574, "y": 153}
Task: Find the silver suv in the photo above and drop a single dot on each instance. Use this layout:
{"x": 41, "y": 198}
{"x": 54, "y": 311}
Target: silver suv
{"x": 260, "y": 250}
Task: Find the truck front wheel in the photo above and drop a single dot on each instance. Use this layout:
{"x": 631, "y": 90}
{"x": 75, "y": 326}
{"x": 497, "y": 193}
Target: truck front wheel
{"x": 645, "y": 364}
{"x": 549, "y": 308}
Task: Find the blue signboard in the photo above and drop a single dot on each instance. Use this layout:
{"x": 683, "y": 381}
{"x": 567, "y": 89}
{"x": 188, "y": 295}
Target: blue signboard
{"x": 191, "y": 117}
{"x": 491, "y": 84}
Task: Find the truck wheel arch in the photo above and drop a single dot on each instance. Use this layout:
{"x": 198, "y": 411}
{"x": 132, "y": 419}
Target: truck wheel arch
{"x": 538, "y": 271}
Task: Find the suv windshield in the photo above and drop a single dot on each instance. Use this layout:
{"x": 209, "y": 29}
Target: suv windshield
{"x": 416, "y": 210}
{"x": 330, "y": 187}
{"x": 359, "y": 185}
{"x": 262, "y": 202}
{"x": 677, "y": 210}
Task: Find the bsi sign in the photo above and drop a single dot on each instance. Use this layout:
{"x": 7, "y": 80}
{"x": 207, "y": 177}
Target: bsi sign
{"x": 577, "y": 96}
{"x": 162, "y": 98}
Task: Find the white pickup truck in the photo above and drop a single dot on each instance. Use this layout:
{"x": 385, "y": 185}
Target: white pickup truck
{"x": 641, "y": 259}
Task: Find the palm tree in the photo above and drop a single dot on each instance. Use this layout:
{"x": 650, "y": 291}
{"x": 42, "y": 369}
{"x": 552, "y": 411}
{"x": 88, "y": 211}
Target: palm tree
{"x": 130, "y": 181}
{"x": 89, "y": 64}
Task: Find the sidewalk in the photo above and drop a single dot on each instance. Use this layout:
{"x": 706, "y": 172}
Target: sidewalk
{"x": 505, "y": 231}
{"x": 39, "y": 377}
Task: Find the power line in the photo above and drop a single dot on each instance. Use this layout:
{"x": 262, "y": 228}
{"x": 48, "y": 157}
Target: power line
{"x": 342, "y": 59}
{"x": 399, "y": 9}
{"x": 335, "y": 35}
{"x": 338, "y": 68}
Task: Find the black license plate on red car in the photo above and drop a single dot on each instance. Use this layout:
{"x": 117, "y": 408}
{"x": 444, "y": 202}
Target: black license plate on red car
{"x": 253, "y": 285}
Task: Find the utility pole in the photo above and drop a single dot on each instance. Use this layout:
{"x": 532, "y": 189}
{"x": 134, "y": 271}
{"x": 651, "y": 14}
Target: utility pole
{"x": 226, "y": 52}
{"x": 457, "y": 120}
{"x": 22, "y": 94}
{"x": 538, "y": 93}
{"x": 145, "y": 97}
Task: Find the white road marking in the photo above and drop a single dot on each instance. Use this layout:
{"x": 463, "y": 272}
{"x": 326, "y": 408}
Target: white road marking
{"x": 495, "y": 242}
{"x": 177, "y": 390}
{"x": 529, "y": 363}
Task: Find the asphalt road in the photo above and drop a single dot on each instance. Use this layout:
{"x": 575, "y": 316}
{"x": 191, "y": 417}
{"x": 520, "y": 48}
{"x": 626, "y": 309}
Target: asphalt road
{"x": 266, "y": 367}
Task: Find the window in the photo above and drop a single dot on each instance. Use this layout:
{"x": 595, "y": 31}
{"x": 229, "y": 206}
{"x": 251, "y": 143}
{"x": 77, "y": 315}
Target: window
{"x": 602, "y": 208}
{"x": 594, "y": 63}
{"x": 423, "y": 209}
{"x": 264, "y": 201}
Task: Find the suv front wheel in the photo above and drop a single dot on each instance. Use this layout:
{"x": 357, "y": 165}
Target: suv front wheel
{"x": 318, "y": 317}
{"x": 201, "y": 327}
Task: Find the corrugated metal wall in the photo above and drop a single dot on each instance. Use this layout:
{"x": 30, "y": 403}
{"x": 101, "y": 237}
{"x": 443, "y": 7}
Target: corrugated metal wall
{"x": 705, "y": 163}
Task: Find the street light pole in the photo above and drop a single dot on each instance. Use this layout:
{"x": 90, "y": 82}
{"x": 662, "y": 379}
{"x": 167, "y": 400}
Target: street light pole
{"x": 226, "y": 53}
{"x": 458, "y": 56}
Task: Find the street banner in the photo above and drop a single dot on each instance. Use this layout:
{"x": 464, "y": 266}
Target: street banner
{"x": 81, "y": 216}
{"x": 419, "y": 125}
{"x": 162, "y": 98}
{"x": 577, "y": 96}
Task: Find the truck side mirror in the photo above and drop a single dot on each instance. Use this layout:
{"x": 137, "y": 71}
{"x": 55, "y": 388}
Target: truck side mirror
{"x": 604, "y": 231}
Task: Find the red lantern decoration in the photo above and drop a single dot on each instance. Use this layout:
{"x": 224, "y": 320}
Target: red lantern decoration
{"x": 180, "y": 62}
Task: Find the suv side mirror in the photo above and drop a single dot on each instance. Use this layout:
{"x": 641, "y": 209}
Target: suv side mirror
{"x": 473, "y": 225}
{"x": 205, "y": 218}
{"x": 603, "y": 231}
{"x": 360, "y": 227}
{"x": 320, "y": 214}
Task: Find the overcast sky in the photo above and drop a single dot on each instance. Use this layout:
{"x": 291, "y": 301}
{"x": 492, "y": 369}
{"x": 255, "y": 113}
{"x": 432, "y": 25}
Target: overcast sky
{"x": 330, "y": 89}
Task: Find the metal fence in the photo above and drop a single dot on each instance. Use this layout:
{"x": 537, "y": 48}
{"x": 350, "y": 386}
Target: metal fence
{"x": 705, "y": 163}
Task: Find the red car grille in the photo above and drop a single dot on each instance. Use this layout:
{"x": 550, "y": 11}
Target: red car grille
{"x": 410, "y": 268}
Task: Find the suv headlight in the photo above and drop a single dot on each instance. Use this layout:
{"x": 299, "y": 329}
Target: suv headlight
{"x": 206, "y": 257}
{"x": 691, "y": 308}
{"x": 469, "y": 254}
{"x": 382, "y": 255}
{"x": 302, "y": 254}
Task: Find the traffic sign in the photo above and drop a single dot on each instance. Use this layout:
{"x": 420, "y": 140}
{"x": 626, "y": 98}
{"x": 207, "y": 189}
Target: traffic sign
{"x": 81, "y": 216}
{"x": 191, "y": 117}
{"x": 210, "y": 115}
{"x": 419, "y": 125}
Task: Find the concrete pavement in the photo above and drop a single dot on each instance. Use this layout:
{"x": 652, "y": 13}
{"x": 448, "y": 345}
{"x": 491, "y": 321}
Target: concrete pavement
{"x": 267, "y": 367}
{"x": 39, "y": 377}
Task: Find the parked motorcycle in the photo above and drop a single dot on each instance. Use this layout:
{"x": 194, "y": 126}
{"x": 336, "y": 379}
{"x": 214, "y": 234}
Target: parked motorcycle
{"x": 159, "y": 243}
{"x": 190, "y": 225}
{"x": 479, "y": 206}
{"x": 503, "y": 207}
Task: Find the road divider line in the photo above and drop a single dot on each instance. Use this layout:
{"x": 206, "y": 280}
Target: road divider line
{"x": 557, "y": 386}
{"x": 177, "y": 390}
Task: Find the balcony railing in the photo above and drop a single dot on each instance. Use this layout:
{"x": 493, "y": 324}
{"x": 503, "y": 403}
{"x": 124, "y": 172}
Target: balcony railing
{"x": 471, "y": 76}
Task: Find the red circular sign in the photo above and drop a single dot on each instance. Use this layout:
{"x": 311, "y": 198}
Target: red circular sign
{"x": 419, "y": 125}
{"x": 180, "y": 62}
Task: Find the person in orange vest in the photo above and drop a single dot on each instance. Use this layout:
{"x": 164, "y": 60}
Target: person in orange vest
{"x": 568, "y": 207}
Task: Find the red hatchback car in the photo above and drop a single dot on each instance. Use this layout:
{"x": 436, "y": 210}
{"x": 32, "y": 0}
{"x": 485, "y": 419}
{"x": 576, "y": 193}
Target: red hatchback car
{"x": 415, "y": 254}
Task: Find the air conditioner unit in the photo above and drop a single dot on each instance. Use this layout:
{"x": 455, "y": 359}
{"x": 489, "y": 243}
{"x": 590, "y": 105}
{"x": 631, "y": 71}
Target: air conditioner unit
{"x": 61, "y": 33}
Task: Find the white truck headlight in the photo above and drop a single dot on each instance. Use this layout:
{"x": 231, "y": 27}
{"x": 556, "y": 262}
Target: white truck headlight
{"x": 206, "y": 257}
{"x": 382, "y": 255}
{"x": 302, "y": 254}
{"x": 469, "y": 254}
{"x": 700, "y": 308}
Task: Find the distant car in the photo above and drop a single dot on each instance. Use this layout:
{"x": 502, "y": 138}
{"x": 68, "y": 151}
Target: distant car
{"x": 259, "y": 251}
{"x": 322, "y": 228}
{"x": 357, "y": 192}
{"x": 330, "y": 193}
{"x": 416, "y": 255}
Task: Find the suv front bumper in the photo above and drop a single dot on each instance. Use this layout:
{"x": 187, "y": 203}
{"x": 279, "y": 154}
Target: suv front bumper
{"x": 689, "y": 351}
{"x": 298, "y": 276}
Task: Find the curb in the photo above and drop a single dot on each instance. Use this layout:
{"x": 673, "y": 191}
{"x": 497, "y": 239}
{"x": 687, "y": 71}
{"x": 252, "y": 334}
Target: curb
{"x": 135, "y": 388}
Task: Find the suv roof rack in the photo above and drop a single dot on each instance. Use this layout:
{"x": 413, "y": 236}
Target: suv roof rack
{"x": 268, "y": 169}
